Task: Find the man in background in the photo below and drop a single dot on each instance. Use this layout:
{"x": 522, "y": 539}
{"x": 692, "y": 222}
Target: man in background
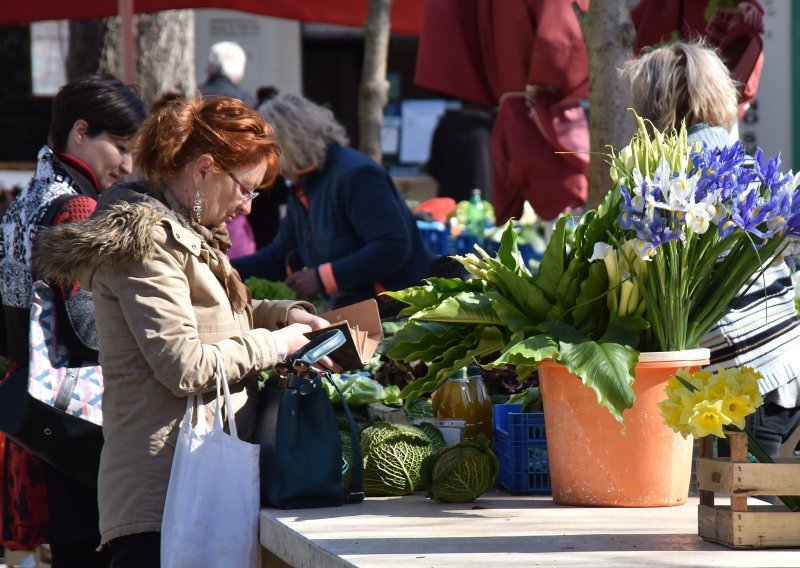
{"x": 226, "y": 63}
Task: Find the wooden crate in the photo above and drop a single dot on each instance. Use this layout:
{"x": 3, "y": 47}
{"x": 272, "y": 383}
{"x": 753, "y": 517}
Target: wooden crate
{"x": 738, "y": 525}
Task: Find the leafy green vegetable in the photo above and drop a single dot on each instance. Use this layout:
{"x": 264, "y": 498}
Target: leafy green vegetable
{"x": 462, "y": 472}
{"x": 262, "y": 289}
{"x": 434, "y": 435}
{"x": 393, "y": 455}
{"x": 347, "y": 456}
{"x": 499, "y": 398}
{"x": 360, "y": 390}
{"x": 420, "y": 408}
{"x": 530, "y": 399}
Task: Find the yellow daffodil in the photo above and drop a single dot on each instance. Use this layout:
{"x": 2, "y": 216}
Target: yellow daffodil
{"x": 708, "y": 418}
{"x": 705, "y": 402}
{"x": 672, "y": 411}
{"x": 736, "y": 408}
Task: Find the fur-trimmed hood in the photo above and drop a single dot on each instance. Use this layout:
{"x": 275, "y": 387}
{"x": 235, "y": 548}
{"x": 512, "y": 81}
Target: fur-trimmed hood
{"x": 123, "y": 232}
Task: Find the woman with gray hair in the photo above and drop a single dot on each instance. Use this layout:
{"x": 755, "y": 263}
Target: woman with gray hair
{"x": 688, "y": 81}
{"x": 347, "y": 233}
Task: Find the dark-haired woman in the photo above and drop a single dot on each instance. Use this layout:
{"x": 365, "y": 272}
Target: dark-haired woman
{"x": 92, "y": 122}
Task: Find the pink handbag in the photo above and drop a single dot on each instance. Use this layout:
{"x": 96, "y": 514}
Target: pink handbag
{"x": 52, "y": 377}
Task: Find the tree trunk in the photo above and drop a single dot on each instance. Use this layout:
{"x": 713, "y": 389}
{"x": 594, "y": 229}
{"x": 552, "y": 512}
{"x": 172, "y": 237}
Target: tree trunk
{"x": 374, "y": 91}
{"x": 86, "y": 38}
{"x": 165, "y": 47}
{"x": 164, "y": 50}
{"x": 609, "y": 34}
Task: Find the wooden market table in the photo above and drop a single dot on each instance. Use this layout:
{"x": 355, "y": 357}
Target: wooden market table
{"x": 496, "y": 530}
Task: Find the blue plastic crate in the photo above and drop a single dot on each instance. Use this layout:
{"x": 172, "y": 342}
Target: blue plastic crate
{"x": 521, "y": 448}
{"x": 436, "y": 236}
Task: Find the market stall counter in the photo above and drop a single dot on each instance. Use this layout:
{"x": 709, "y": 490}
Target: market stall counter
{"x": 497, "y": 529}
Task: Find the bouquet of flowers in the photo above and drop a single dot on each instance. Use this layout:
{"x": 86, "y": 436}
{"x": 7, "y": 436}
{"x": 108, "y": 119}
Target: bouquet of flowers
{"x": 696, "y": 225}
{"x": 706, "y": 402}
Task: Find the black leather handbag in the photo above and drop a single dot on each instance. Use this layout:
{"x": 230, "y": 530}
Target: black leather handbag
{"x": 301, "y": 451}
{"x": 66, "y": 442}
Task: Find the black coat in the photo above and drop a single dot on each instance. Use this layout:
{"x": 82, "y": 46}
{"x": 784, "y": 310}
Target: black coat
{"x": 460, "y": 158}
{"x": 220, "y": 86}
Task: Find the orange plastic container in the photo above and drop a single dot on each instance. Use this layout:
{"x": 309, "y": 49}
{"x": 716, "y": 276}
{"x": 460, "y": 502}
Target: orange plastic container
{"x": 595, "y": 460}
{"x": 465, "y": 399}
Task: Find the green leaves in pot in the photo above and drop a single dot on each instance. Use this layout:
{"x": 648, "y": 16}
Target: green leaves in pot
{"x": 509, "y": 317}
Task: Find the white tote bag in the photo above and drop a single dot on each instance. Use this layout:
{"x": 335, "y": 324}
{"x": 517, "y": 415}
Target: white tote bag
{"x": 211, "y": 511}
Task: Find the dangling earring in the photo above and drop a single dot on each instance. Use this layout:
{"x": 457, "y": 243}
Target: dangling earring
{"x": 198, "y": 207}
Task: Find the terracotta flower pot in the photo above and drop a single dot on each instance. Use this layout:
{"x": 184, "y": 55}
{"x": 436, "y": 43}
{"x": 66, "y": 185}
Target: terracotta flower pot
{"x": 596, "y": 461}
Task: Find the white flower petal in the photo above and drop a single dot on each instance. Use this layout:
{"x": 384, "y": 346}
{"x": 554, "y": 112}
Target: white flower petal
{"x": 601, "y": 250}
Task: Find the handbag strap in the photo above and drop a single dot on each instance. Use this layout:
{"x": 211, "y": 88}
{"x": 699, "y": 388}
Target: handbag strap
{"x": 67, "y": 388}
{"x": 196, "y": 401}
{"x": 42, "y": 297}
{"x": 356, "y": 494}
{"x": 222, "y": 381}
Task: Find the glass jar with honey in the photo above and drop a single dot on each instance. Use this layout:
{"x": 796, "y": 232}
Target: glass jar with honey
{"x": 465, "y": 397}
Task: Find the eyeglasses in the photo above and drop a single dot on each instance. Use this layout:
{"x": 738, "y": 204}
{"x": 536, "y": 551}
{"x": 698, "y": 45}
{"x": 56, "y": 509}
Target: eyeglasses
{"x": 249, "y": 194}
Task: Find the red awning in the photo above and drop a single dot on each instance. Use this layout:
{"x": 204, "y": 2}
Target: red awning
{"x": 406, "y": 14}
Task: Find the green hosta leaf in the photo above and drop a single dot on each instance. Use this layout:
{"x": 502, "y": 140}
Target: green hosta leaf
{"x": 525, "y": 371}
{"x": 580, "y": 232}
{"x": 551, "y": 269}
{"x": 592, "y": 293}
{"x": 527, "y": 352}
{"x": 466, "y": 307}
{"x": 417, "y": 297}
{"x": 561, "y": 331}
{"x": 521, "y": 290}
{"x": 608, "y": 368}
{"x": 432, "y": 292}
{"x": 603, "y": 223}
{"x": 625, "y": 330}
{"x": 426, "y": 340}
{"x": 455, "y": 285}
{"x": 484, "y": 341}
{"x": 556, "y": 312}
{"x": 508, "y": 312}
{"x": 569, "y": 287}
{"x": 508, "y": 252}
{"x": 417, "y": 345}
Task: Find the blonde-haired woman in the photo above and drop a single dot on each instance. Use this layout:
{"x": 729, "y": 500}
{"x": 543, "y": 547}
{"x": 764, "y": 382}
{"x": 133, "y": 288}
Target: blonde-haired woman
{"x": 684, "y": 82}
{"x": 353, "y": 233}
{"x": 165, "y": 296}
{"x": 688, "y": 81}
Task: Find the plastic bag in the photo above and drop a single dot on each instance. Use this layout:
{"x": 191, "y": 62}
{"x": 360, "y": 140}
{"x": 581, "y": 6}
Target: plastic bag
{"x": 211, "y": 511}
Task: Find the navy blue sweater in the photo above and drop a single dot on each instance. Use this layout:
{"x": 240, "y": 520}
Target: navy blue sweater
{"x": 355, "y": 220}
